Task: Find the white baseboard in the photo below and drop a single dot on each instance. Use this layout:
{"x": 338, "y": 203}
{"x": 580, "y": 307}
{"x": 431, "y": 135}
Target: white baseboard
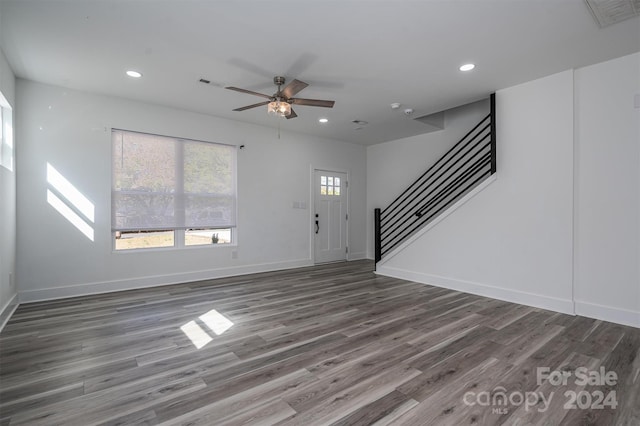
{"x": 357, "y": 256}
{"x": 608, "y": 313}
{"x": 7, "y": 310}
{"x": 154, "y": 281}
{"x": 564, "y": 306}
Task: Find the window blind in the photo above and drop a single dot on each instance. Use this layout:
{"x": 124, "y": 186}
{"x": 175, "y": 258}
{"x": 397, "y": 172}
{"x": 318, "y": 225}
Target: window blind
{"x": 162, "y": 183}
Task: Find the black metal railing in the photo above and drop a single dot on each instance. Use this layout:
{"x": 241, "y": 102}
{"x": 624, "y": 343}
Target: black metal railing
{"x": 462, "y": 168}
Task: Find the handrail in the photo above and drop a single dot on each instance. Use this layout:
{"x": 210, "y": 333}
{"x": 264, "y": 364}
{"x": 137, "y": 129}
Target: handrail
{"x": 468, "y": 162}
{"x": 440, "y": 175}
{"x": 395, "y": 202}
{"x": 417, "y": 226}
{"x": 481, "y": 162}
{"x": 449, "y": 190}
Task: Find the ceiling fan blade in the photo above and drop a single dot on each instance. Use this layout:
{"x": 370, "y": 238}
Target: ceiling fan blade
{"x": 312, "y": 102}
{"x": 294, "y": 87}
{"x": 252, "y": 106}
{"x": 292, "y": 115}
{"x": 237, "y": 89}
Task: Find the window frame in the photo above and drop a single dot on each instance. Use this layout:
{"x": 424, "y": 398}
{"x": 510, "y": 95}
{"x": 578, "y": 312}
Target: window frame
{"x": 7, "y": 141}
{"x": 179, "y": 234}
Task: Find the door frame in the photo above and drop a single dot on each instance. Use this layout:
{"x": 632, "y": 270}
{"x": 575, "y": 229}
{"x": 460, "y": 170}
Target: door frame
{"x": 312, "y": 207}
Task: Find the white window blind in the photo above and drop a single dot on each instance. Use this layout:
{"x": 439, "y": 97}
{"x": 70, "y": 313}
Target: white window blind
{"x": 162, "y": 183}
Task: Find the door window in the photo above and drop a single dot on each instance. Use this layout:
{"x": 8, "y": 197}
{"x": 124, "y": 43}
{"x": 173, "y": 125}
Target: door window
{"x": 329, "y": 185}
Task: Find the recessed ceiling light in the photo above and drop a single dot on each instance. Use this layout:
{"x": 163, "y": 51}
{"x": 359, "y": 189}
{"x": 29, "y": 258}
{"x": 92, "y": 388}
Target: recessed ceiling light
{"x": 134, "y": 74}
{"x": 467, "y": 67}
{"x": 323, "y": 120}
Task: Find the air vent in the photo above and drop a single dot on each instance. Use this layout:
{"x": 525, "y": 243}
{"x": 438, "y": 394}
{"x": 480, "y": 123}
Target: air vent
{"x": 205, "y": 81}
{"x": 360, "y": 122}
{"x": 609, "y": 12}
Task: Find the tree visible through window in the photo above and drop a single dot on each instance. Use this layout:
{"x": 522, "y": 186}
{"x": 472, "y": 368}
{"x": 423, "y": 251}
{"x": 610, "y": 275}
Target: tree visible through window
{"x": 171, "y": 192}
{"x": 329, "y": 185}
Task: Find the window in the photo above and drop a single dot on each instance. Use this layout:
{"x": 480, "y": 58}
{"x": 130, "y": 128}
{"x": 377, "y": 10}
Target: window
{"x": 170, "y": 192}
{"x": 6, "y": 134}
{"x": 329, "y": 185}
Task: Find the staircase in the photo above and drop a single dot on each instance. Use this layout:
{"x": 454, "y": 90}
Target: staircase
{"x": 467, "y": 164}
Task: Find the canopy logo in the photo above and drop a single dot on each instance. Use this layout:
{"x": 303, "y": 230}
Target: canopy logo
{"x": 501, "y": 401}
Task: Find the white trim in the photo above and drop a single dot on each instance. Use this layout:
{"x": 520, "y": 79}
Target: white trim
{"x": 564, "y": 306}
{"x": 7, "y": 311}
{"x": 357, "y": 256}
{"x": 455, "y": 206}
{"x": 608, "y": 313}
{"x": 575, "y": 189}
{"x": 154, "y": 281}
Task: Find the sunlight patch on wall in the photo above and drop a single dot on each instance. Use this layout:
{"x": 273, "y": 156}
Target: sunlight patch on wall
{"x": 68, "y": 191}
{"x": 74, "y": 201}
{"x": 73, "y": 218}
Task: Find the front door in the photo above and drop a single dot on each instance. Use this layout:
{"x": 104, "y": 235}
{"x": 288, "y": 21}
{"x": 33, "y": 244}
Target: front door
{"x": 330, "y": 217}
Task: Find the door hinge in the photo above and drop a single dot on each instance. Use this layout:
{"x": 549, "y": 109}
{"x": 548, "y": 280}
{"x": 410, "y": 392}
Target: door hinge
{"x": 346, "y": 183}
{"x": 346, "y": 216}
{"x": 347, "y": 249}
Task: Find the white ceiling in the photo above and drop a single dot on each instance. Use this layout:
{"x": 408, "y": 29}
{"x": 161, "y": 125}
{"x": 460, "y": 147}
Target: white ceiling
{"x": 364, "y": 54}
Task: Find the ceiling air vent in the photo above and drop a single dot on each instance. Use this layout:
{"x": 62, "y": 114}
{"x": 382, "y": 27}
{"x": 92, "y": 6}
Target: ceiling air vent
{"x": 609, "y": 12}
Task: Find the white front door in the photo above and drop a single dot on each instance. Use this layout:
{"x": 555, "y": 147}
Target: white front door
{"x": 330, "y": 216}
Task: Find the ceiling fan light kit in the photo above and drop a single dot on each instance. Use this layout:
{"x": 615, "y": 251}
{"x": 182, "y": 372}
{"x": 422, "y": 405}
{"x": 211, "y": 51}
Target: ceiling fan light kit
{"x": 279, "y": 109}
{"x": 279, "y": 104}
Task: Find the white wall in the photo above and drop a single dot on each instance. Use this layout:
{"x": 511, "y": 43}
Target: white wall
{"x": 512, "y": 241}
{"x": 516, "y": 240}
{"x": 8, "y": 301}
{"x": 560, "y": 227}
{"x": 71, "y": 131}
{"x": 607, "y": 245}
{"x": 393, "y": 166}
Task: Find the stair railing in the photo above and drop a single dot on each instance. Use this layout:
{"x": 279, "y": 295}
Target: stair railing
{"x": 470, "y": 161}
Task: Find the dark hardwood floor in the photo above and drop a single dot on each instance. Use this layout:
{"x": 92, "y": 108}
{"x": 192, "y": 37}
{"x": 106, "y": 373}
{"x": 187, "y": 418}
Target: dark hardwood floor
{"x": 332, "y": 344}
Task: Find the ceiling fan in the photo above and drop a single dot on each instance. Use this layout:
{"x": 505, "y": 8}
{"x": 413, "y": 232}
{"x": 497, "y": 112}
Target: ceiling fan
{"x": 279, "y": 103}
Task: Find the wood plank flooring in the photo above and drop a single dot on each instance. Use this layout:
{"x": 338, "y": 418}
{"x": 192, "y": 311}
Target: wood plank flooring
{"x": 326, "y": 345}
